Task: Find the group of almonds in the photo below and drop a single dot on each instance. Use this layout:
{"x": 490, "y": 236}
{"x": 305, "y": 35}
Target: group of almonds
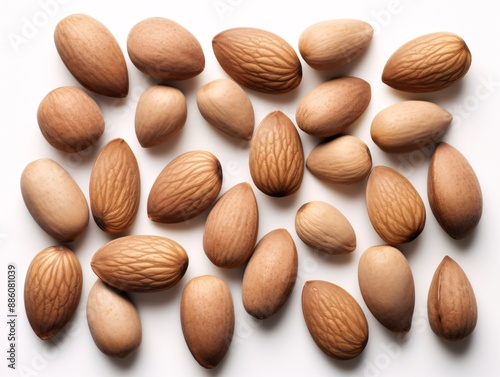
{"x": 190, "y": 184}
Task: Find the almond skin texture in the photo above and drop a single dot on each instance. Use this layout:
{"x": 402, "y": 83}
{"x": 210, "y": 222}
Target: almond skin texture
{"x": 270, "y": 274}
{"x": 226, "y": 106}
{"x": 140, "y": 263}
{"x": 185, "y": 188}
{"x": 160, "y": 115}
{"x": 428, "y": 63}
{"x": 207, "y": 319}
{"x": 276, "y": 156}
{"x": 69, "y": 119}
{"x": 115, "y": 187}
{"x": 454, "y": 192}
{"x": 409, "y": 125}
{"x": 54, "y": 200}
{"x": 331, "y": 107}
{"x": 258, "y": 60}
{"x": 52, "y": 290}
{"x": 342, "y": 160}
{"x": 395, "y": 208}
{"x": 386, "y": 284}
{"x": 113, "y": 321}
{"x": 165, "y": 50}
{"x": 451, "y": 303}
{"x": 334, "y": 319}
{"x": 323, "y": 227}
{"x": 231, "y": 227}
{"x": 92, "y": 55}
{"x": 328, "y": 45}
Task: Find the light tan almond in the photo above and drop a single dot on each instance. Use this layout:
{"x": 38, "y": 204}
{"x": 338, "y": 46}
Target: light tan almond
{"x": 258, "y": 59}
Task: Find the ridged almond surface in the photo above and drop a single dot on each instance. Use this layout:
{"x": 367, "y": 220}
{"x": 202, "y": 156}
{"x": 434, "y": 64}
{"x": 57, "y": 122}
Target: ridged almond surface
{"x": 276, "y": 156}
{"x": 52, "y": 290}
{"x": 140, "y": 263}
{"x": 258, "y": 59}
{"x": 454, "y": 191}
{"x": 428, "y": 63}
{"x": 92, "y": 55}
{"x": 334, "y": 319}
{"x": 395, "y": 208}
{"x": 115, "y": 187}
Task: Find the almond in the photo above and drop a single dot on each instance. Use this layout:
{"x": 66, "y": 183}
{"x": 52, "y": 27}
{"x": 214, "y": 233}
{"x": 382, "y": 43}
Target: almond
{"x": 409, "y": 125}
{"x": 334, "y": 319}
{"x": 207, "y": 319}
{"x": 52, "y": 290}
{"x": 342, "y": 160}
{"x": 185, "y": 188}
{"x": 270, "y": 274}
{"x": 454, "y": 192}
{"x": 92, "y": 55}
{"x": 331, "y": 107}
{"x": 428, "y": 63}
{"x": 323, "y": 227}
{"x": 140, "y": 263}
{"x": 115, "y": 187}
{"x": 330, "y": 44}
{"x": 276, "y": 156}
{"x": 258, "y": 59}
{"x": 395, "y": 208}
{"x": 451, "y": 303}
{"x": 231, "y": 227}
{"x": 165, "y": 50}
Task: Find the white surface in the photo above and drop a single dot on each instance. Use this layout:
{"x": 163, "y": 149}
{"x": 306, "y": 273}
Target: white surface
{"x": 280, "y": 345}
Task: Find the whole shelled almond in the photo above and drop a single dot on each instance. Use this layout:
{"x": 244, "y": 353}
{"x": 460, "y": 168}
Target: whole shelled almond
{"x": 409, "y": 125}
{"x": 115, "y": 187}
{"x": 331, "y": 107}
{"x": 451, "y": 303}
{"x": 428, "y": 63}
{"x": 331, "y": 44}
{"x": 258, "y": 59}
{"x": 334, "y": 319}
{"x": 276, "y": 156}
{"x": 342, "y": 160}
{"x": 52, "y": 290}
{"x": 140, "y": 263}
{"x": 92, "y": 55}
{"x": 69, "y": 119}
{"x": 395, "y": 208}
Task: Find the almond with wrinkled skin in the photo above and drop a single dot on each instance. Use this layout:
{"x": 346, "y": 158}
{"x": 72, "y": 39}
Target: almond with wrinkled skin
{"x": 451, "y": 303}
{"x": 92, "y": 55}
{"x": 342, "y": 160}
{"x": 276, "y": 156}
{"x": 270, "y": 274}
{"x": 54, "y": 200}
{"x": 226, "y": 106}
{"x": 395, "y": 208}
{"x": 258, "y": 60}
{"x": 115, "y": 187}
{"x": 428, "y": 63}
{"x": 52, "y": 290}
{"x": 386, "y": 284}
{"x": 185, "y": 188}
{"x": 140, "y": 263}
{"x": 323, "y": 227}
{"x": 454, "y": 192}
{"x": 207, "y": 319}
{"x": 231, "y": 227}
{"x": 331, "y": 107}
{"x": 334, "y": 319}
{"x": 69, "y": 119}
{"x": 328, "y": 45}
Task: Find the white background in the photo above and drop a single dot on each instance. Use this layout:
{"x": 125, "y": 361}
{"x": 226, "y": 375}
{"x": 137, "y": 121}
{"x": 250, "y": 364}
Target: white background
{"x": 280, "y": 345}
